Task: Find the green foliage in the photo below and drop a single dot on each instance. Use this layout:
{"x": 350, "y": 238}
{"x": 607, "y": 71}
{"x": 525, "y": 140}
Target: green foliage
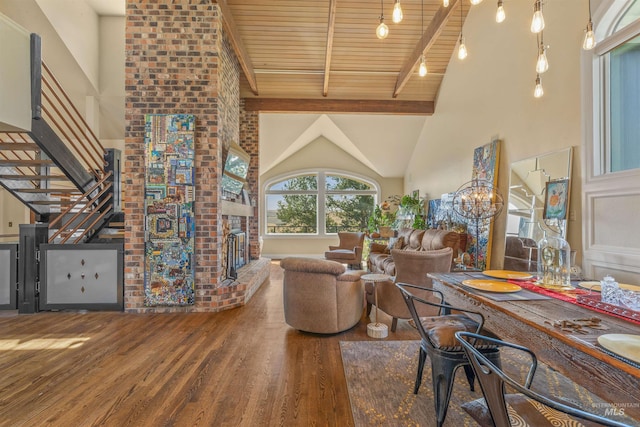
{"x": 343, "y": 212}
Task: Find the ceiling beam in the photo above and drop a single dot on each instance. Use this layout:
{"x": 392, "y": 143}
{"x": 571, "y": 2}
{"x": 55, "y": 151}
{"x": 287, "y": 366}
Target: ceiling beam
{"x": 425, "y": 43}
{"x": 234, "y": 36}
{"x": 289, "y": 105}
{"x": 329, "y": 46}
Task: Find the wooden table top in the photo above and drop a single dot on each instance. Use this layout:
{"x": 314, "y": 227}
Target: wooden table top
{"x": 531, "y": 323}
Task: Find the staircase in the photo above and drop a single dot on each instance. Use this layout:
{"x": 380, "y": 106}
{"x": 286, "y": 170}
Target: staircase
{"x": 59, "y": 169}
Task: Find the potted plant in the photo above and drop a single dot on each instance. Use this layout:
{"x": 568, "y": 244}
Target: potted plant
{"x": 381, "y": 220}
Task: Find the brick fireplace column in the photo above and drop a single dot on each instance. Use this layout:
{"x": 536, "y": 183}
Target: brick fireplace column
{"x": 178, "y": 61}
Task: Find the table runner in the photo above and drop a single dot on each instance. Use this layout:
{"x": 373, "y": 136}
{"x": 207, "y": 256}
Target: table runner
{"x": 570, "y": 297}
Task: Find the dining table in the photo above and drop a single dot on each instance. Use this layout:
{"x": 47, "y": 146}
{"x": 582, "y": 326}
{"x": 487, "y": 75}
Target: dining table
{"x": 562, "y": 333}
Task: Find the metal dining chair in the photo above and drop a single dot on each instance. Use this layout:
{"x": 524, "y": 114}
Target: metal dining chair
{"x": 439, "y": 343}
{"x": 524, "y": 406}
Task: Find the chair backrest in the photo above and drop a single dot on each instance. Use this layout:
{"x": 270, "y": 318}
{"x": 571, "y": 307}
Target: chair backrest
{"x": 413, "y": 266}
{"x": 349, "y": 240}
{"x": 492, "y": 381}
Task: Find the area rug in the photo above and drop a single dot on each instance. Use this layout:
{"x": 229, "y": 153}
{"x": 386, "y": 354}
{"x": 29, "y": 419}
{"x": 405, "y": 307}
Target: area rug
{"x": 380, "y": 378}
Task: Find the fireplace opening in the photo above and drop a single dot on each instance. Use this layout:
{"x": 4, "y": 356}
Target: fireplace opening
{"x": 237, "y": 253}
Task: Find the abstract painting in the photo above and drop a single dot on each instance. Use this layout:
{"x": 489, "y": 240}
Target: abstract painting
{"x": 485, "y": 167}
{"x": 169, "y": 196}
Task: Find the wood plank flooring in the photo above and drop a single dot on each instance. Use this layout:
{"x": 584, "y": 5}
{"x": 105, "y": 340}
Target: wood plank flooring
{"x": 242, "y": 367}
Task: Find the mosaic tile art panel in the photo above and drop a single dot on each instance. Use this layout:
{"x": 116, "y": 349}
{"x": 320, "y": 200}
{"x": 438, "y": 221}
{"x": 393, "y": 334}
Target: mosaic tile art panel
{"x": 169, "y": 196}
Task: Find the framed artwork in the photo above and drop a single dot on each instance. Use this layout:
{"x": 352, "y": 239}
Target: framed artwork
{"x": 485, "y": 166}
{"x": 432, "y": 212}
{"x": 556, "y": 199}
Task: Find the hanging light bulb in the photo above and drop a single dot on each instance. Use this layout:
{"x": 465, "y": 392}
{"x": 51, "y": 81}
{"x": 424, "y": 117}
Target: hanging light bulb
{"x": 537, "y": 23}
{"x": 382, "y": 31}
{"x": 538, "y": 91}
{"x": 475, "y": 2}
{"x": 422, "y": 70}
{"x": 589, "y": 37}
{"x": 542, "y": 64}
{"x": 445, "y": 3}
{"x": 462, "y": 48}
{"x": 500, "y": 15}
{"x": 397, "y": 12}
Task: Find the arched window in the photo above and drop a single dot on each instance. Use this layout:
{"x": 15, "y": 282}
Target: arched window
{"x": 318, "y": 203}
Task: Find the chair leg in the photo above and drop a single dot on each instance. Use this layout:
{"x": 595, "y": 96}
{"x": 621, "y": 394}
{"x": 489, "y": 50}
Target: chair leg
{"x": 394, "y": 324}
{"x": 422, "y": 356}
{"x": 471, "y": 376}
{"x": 443, "y": 373}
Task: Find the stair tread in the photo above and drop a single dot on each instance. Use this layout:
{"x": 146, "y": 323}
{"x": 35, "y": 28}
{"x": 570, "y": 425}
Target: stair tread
{"x": 47, "y": 190}
{"x": 34, "y": 177}
{"x": 31, "y": 162}
{"x": 19, "y": 146}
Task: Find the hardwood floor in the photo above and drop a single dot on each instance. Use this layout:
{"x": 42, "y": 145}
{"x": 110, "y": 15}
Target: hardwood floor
{"x": 242, "y": 367}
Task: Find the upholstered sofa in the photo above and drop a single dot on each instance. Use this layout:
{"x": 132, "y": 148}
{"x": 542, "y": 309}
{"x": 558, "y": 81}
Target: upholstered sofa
{"x": 520, "y": 254}
{"x": 321, "y": 296}
{"x": 409, "y": 239}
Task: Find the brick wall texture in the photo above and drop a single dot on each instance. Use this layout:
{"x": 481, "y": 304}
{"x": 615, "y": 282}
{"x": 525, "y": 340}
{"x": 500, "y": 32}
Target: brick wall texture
{"x": 178, "y": 61}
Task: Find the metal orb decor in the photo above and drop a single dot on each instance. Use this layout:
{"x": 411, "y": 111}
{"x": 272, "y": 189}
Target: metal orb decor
{"x": 478, "y": 200}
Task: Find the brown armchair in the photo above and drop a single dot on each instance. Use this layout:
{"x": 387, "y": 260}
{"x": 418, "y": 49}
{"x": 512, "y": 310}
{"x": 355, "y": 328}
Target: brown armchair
{"x": 411, "y": 267}
{"x": 348, "y": 251}
{"x": 321, "y": 296}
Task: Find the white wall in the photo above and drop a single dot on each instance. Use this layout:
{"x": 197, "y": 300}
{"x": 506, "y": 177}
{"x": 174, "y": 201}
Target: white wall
{"x": 490, "y": 94}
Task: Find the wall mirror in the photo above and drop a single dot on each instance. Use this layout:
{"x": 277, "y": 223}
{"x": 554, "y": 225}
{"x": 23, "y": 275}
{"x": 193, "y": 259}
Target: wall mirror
{"x": 528, "y": 217}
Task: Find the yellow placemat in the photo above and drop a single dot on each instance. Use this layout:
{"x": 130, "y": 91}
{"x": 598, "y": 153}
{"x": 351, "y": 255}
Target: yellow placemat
{"x": 491, "y": 285}
{"x": 625, "y": 345}
{"x": 508, "y": 274}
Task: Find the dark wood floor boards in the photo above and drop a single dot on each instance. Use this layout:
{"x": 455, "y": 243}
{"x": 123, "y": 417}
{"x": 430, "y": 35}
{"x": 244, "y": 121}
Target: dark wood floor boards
{"x": 241, "y": 367}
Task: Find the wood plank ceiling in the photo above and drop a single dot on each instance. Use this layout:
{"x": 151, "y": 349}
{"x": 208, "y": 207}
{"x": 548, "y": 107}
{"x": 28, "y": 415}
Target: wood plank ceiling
{"x": 324, "y": 56}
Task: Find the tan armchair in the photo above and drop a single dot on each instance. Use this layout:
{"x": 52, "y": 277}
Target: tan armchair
{"x": 321, "y": 296}
{"x": 411, "y": 267}
{"x": 348, "y": 251}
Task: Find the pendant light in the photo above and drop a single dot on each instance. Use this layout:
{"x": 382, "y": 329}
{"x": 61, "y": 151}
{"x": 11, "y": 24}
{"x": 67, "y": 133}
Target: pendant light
{"x": 538, "y": 91}
{"x": 589, "y": 37}
{"x": 445, "y": 3}
{"x": 462, "y": 48}
{"x": 500, "y": 15}
{"x": 397, "y": 12}
{"x": 475, "y": 2}
{"x": 542, "y": 64}
{"x": 382, "y": 31}
{"x": 537, "y": 23}
{"x": 422, "y": 69}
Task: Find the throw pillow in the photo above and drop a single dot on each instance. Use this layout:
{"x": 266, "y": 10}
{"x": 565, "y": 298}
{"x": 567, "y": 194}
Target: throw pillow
{"x": 394, "y": 243}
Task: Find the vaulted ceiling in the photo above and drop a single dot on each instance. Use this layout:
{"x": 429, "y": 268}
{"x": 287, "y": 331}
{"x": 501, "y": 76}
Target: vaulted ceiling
{"x": 324, "y": 56}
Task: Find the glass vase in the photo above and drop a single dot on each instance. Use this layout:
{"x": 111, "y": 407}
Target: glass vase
{"x": 554, "y": 261}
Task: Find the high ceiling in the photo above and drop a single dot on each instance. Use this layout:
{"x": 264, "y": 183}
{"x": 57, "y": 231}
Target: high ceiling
{"x": 327, "y": 50}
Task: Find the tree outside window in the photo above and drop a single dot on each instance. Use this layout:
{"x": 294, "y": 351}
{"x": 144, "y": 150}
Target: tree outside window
{"x": 294, "y": 205}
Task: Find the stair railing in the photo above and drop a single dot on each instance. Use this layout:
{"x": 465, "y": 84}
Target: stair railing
{"x": 84, "y": 142}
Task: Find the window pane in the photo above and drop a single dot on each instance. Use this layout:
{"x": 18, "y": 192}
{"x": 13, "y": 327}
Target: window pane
{"x": 347, "y": 212}
{"x": 291, "y": 214}
{"x": 305, "y": 182}
{"x": 335, "y": 182}
{"x": 624, "y": 126}
{"x": 632, "y": 14}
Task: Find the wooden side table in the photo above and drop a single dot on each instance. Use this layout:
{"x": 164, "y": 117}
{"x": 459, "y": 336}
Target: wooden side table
{"x": 376, "y": 329}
